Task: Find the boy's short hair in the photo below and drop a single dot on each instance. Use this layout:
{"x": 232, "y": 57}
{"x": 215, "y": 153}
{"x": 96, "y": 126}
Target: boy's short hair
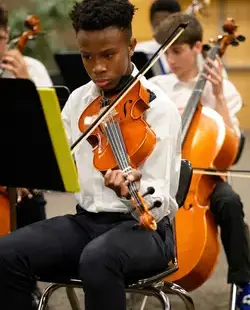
{"x": 171, "y": 6}
{"x": 93, "y": 15}
{"x": 3, "y": 16}
{"x": 192, "y": 34}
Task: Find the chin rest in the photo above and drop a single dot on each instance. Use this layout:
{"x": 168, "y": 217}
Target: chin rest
{"x": 153, "y": 286}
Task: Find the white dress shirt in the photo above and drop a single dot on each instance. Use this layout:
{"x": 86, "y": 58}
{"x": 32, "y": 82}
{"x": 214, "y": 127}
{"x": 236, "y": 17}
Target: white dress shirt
{"x": 161, "y": 169}
{"x": 180, "y": 92}
{"x": 37, "y": 72}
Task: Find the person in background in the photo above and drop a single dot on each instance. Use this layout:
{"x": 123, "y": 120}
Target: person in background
{"x": 220, "y": 95}
{"x": 159, "y": 10}
{"x": 30, "y": 207}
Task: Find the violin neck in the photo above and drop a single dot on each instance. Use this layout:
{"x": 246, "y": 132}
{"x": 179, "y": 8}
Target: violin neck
{"x": 195, "y": 97}
{"x": 114, "y": 135}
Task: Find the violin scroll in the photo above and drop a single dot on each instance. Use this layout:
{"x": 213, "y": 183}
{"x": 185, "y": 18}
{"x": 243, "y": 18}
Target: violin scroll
{"x": 32, "y": 22}
{"x": 229, "y": 38}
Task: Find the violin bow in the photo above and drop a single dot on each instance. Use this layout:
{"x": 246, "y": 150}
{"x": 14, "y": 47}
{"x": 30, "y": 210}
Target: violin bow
{"x": 234, "y": 173}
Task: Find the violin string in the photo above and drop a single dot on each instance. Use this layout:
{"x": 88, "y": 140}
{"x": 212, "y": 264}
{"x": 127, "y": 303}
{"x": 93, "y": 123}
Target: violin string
{"x": 193, "y": 101}
{"x": 122, "y": 164}
{"x": 120, "y": 152}
{"x": 122, "y": 156}
{"x": 114, "y": 138}
{"x": 119, "y": 138}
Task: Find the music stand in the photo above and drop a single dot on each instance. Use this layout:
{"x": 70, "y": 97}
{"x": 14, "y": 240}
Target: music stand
{"x": 140, "y": 59}
{"x": 62, "y": 93}
{"x": 72, "y": 69}
{"x": 34, "y": 149}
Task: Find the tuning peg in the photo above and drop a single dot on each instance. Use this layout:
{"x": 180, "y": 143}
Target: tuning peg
{"x": 150, "y": 191}
{"x": 241, "y": 38}
{"x": 234, "y": 42}
{"x": 211, "y": 40}
{"x": 206, "y": 47}
{"x": 157, "y": 204}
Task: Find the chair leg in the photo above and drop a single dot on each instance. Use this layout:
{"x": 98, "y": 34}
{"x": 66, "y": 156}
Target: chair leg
{"x": 143, "y": 304}
{"x": 73, "y": 300}
{"x": 174, "y": 289}
{"x": 47, "y": 294}
{"x": 151, "y": 291}
{"x": 233, "y": 297}
{"x": 164, "y": 300}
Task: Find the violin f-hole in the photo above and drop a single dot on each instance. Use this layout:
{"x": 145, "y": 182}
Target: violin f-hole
{"x": 125, "y": 106}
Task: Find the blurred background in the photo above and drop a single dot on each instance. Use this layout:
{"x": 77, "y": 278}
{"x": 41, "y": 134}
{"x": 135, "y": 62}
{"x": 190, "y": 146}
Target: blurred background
{"x": 59, "y": 38}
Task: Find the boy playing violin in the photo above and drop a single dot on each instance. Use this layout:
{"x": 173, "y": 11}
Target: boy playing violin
{"x": 102, "y": 236}
{"x": 220, "y": 95}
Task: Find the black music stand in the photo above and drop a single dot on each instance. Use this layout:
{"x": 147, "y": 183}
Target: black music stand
{"x": 72, "y": 69}
{"x": 140, "y": 59}
{"x": 62, "y": 93}
{"x": 34, "y": 149}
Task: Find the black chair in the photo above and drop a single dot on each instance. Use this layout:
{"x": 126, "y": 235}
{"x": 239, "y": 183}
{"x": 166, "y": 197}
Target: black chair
{"x": 241, "y": 147}
{"x": 153, "y": 286}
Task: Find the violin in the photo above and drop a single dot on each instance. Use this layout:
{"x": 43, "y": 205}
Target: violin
{"x": 207, "y": 143}
{"x": 32, "y": 22}
{"x": 120, "y": 136}
{"x": 7, "y": 204}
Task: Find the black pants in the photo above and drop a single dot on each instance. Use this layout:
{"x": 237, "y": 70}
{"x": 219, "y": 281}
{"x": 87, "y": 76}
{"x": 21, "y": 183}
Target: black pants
{"x": 31, "y": 210}
{"x": 228, "y": 210}
{"x": 105, "y": 250}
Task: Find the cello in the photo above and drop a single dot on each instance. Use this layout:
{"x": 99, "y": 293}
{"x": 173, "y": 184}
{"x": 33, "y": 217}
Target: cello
{"x": 8, "y": 196}
{"x": 207, "y": 143}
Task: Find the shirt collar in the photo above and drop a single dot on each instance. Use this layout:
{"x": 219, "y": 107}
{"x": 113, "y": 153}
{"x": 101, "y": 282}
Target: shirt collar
{"x": 177, "y": 83}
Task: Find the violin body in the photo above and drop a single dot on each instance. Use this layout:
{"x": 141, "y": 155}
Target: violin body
{"x": 138, "y": 138}
{"x": 209, "y": 143}
{"x": 4, "y": 212}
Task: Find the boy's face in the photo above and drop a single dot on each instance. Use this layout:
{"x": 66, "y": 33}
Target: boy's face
{"x": 4, "y": 39}
{"x": 182, "y": 58}
{"x": 106, "y": 55}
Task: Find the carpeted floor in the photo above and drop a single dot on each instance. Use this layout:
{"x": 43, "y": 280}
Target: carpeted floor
{"x": 213, "y": 295}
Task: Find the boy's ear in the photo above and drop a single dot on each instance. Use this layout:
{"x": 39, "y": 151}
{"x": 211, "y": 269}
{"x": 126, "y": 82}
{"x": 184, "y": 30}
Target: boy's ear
{"x": 132, "y": 46}
{"x": 197, "y": 47}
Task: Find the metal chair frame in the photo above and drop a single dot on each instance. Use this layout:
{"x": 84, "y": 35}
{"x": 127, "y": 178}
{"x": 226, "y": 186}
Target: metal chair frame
{"x": 153, "y": 286}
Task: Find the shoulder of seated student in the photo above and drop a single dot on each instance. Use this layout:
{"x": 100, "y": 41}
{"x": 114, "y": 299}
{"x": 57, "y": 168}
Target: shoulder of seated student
{"x": 163, "y": 112}
{"x": 38, "y": 72}
{"x": 82, "y": 96}
{"x": 147, "y": 47}
{"x": 165, "y": 81}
